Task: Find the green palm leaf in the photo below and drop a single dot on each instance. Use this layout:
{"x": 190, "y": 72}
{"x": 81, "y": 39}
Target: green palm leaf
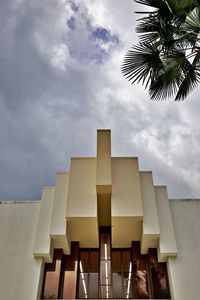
{"x": 143, "y": 63}
{"x": 191, "y": 77}
{"x": 167, "y": 83}
{"x": 167, "y": 59}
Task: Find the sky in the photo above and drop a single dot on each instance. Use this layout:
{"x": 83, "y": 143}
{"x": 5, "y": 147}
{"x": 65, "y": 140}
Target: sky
{"x": 60, "y": 81}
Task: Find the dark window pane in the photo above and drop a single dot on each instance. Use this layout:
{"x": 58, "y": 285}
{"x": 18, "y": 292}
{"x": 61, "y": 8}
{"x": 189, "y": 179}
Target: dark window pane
{"x": 140, "y": 279}
{"x": 160, "y": 281}
{"x": 105, "y": 268}
{"x": 83, "y": 285}
{"x": 94, "y": 261}
{"x": 159, "y": 276}
{"x": 105, "y": 245}
{"x": 116, "y": 261}
{"x": 117, "y": 285}
{"x": 93, "y": 285}
{"x": 105, "y": 292}
{"x": 126, "y": 254}
{"x": 127, "y": 285}
{"x": 84, "y": 261}
{"x": 94, "y": 274}
{"x": 140, "y": 284}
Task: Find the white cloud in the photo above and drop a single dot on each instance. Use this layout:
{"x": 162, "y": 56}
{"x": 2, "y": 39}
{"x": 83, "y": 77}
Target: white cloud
{"x": 58, "y": 84}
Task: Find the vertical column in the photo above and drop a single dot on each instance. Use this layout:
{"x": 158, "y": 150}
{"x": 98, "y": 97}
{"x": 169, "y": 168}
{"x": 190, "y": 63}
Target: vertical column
{"x": 70, "y": 265}
{"x": 167, "y": 243}
{"x": 103, "y": 175}
{"x": 52, "y": 277}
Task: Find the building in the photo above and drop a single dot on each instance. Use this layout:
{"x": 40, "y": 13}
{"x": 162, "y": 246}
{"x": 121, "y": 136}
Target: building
{"x": 104, "y": 231}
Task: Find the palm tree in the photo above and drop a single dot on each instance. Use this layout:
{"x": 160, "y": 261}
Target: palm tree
{"x": 167, "y": 59}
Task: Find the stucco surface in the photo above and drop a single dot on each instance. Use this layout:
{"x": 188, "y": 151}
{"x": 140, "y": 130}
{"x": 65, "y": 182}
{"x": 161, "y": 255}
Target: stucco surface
{"x": 19, "y": 271}
{"x": 184, "y": 270}
{"x": 81, "y": 199}
{"x": 126, "y": 199}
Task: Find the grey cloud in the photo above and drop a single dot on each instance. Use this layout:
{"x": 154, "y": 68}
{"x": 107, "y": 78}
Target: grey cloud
{"x": 49, "y": 113}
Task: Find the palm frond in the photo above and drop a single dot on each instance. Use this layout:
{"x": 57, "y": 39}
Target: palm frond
{"x": 167, "y": 59}
{"x": 159, "y": 4}
{"x": 142, "y": 63}
{"x": 189, "y": 83}
{"x": 173, "y": 79}
{"x": 193, "y": 19}
{"x": 166, "y": 84}
{"x": 149, "y": 37}
{"x": 191, "y": 77}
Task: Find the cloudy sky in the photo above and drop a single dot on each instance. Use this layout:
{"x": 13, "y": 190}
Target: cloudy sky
{"x": 60, "y": 81}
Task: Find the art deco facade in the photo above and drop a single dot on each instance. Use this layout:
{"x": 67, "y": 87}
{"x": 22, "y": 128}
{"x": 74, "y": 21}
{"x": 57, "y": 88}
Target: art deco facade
{"x": 104, "y": 231}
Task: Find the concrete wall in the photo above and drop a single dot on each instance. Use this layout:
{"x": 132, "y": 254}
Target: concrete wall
{"x": 43, "y": 244}
{"x": 184, "y": 270}
{"x": 103, "y": 171}
{"x": 19, "y": 270}
{"x": 126, "y": 189}
{"x": 81, "y": 201}
{"x": 150, "y": 224}
{"x": 167, "y": 241}
{"x": 81, "y": 211}
{"x": 127, "y": 199}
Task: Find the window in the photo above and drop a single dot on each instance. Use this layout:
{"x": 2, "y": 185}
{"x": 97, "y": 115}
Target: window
{"x": 88, "y": 279}
{"x": 106, "y": 273}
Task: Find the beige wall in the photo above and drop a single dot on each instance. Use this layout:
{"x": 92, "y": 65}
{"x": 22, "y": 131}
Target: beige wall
{"x": 43, "y": 246}
{"x": 81, "y": 201}
{"x": 103, "y": 171}
{"x": 19, "y": 270}
{"x": 167, "y": 242}
{"x": 22, "y": 271}
{"x": 184, "y": 270}
{"x": 81, "y": 212}
{"x": 59, "y": 227}
{"x": 126, "y": 197}
{"x": 150, "y": 225}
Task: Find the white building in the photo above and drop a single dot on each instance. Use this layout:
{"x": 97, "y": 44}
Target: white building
{"x": 104, "y": 231}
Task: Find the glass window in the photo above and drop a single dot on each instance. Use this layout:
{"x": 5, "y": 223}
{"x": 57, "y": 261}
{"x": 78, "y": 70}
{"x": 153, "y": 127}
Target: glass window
{"x": 106, "y": 273}
{"x": 83, "y": 285}
{"x": 160, "y": 281}
{"x": 88, "y": 280}
{"x": 94, "y": 285}
{"x": 105, "y": 263}
{"x": 117, "y": 285}
{"x": 93, "y": 273}
{"x": 117, "y": 274}
{"x": 127, "y": 285}
{"x": 159, "y": 277}
{"x": 105, "y": 242}
{"x": 84, "y": 261}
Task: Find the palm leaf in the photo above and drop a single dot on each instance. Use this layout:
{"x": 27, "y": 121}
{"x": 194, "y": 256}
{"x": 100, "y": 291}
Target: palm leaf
{"x": 142, "y": 63}
{"x": 159, "y": 4}
{"x": 191, "y": 77}
{"x": 192, "y": 21}
{"x": 169, "y": 40}
{"x": 167, "y": 83}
